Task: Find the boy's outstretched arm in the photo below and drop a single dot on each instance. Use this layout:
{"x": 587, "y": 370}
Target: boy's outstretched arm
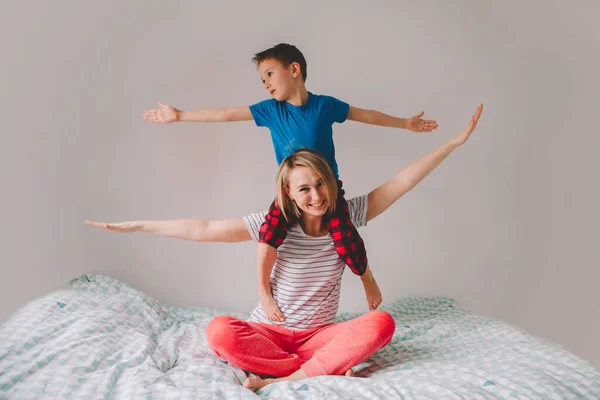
{"x": 372, "y": 117}
{"x": 166, "y": 114}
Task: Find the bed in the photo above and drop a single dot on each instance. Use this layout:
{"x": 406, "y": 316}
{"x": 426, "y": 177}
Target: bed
{"x": 99, "y": 338}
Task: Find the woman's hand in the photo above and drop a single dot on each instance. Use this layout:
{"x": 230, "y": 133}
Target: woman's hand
{"x": 462, "y": 137}
{"x": 122, "y": 227}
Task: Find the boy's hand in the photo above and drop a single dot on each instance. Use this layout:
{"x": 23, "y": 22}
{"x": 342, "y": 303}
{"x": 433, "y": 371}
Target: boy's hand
{"x": 416, "y": 124}
{"x": 163, "y": 115}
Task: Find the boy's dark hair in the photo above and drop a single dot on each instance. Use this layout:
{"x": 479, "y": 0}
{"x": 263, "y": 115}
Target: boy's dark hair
{"x": 285, "y": 54}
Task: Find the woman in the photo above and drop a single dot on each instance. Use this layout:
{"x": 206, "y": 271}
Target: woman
{"x": 306, "y": 277}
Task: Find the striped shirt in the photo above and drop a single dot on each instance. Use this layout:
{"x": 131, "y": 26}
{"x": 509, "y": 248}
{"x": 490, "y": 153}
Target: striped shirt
{"x": 307, "y": 275}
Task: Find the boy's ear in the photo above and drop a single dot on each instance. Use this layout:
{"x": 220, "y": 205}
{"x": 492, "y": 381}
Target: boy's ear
{"x": 295, "y": 69}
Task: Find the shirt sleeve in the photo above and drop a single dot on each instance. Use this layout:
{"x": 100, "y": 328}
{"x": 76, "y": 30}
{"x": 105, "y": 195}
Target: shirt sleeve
{"x": 358, "y": 210}
{"x": 261, "y": 112}
{"x": 253, "y": 223}
{"x": 339, "y": 109}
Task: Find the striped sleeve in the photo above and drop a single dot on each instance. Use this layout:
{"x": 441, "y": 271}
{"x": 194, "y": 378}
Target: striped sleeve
{"x": 358, "y": 210}
{"x": 253, "y": 223}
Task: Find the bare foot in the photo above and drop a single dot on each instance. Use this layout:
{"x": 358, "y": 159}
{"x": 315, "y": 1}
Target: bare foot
{"x": 349, "y": 372}
{"x": 272, "y": 312}
{"x": 372, "y": 291}
{"x": 255, "y": 383}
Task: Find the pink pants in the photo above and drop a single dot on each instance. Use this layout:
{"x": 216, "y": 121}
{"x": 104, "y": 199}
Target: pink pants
{"x": 266, "y": 349}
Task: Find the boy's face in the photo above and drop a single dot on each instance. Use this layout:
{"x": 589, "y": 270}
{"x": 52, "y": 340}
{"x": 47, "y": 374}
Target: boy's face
{"x": 277, "y": 80}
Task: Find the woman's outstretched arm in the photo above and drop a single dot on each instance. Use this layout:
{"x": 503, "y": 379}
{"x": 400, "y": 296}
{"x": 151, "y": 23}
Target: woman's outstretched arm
{"x": 200, "y": 230}
{"x": 385, "y": 195}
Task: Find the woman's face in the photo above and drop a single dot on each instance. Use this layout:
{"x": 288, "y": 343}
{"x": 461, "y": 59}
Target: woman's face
{"x": 307, "y": 190}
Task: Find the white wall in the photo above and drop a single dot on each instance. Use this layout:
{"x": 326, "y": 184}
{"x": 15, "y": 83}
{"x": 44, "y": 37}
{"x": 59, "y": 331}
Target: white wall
{"x": 508, "y": 225}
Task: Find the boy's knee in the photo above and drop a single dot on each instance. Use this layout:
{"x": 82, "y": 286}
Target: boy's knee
{"x": 270, "y": 240}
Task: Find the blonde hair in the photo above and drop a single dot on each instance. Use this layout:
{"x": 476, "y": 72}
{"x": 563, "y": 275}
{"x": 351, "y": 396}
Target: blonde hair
{"x": 317, "y": 165}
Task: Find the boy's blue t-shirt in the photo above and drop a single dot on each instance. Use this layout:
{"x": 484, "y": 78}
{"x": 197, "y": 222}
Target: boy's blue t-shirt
{"x": 309, "y": 125}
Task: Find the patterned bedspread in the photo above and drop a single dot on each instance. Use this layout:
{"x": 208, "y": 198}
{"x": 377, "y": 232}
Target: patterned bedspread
{"x": 99, "y": 338}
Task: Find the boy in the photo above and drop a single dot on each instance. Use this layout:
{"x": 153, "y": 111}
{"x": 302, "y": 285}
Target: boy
{"x": 297, "y": 118}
